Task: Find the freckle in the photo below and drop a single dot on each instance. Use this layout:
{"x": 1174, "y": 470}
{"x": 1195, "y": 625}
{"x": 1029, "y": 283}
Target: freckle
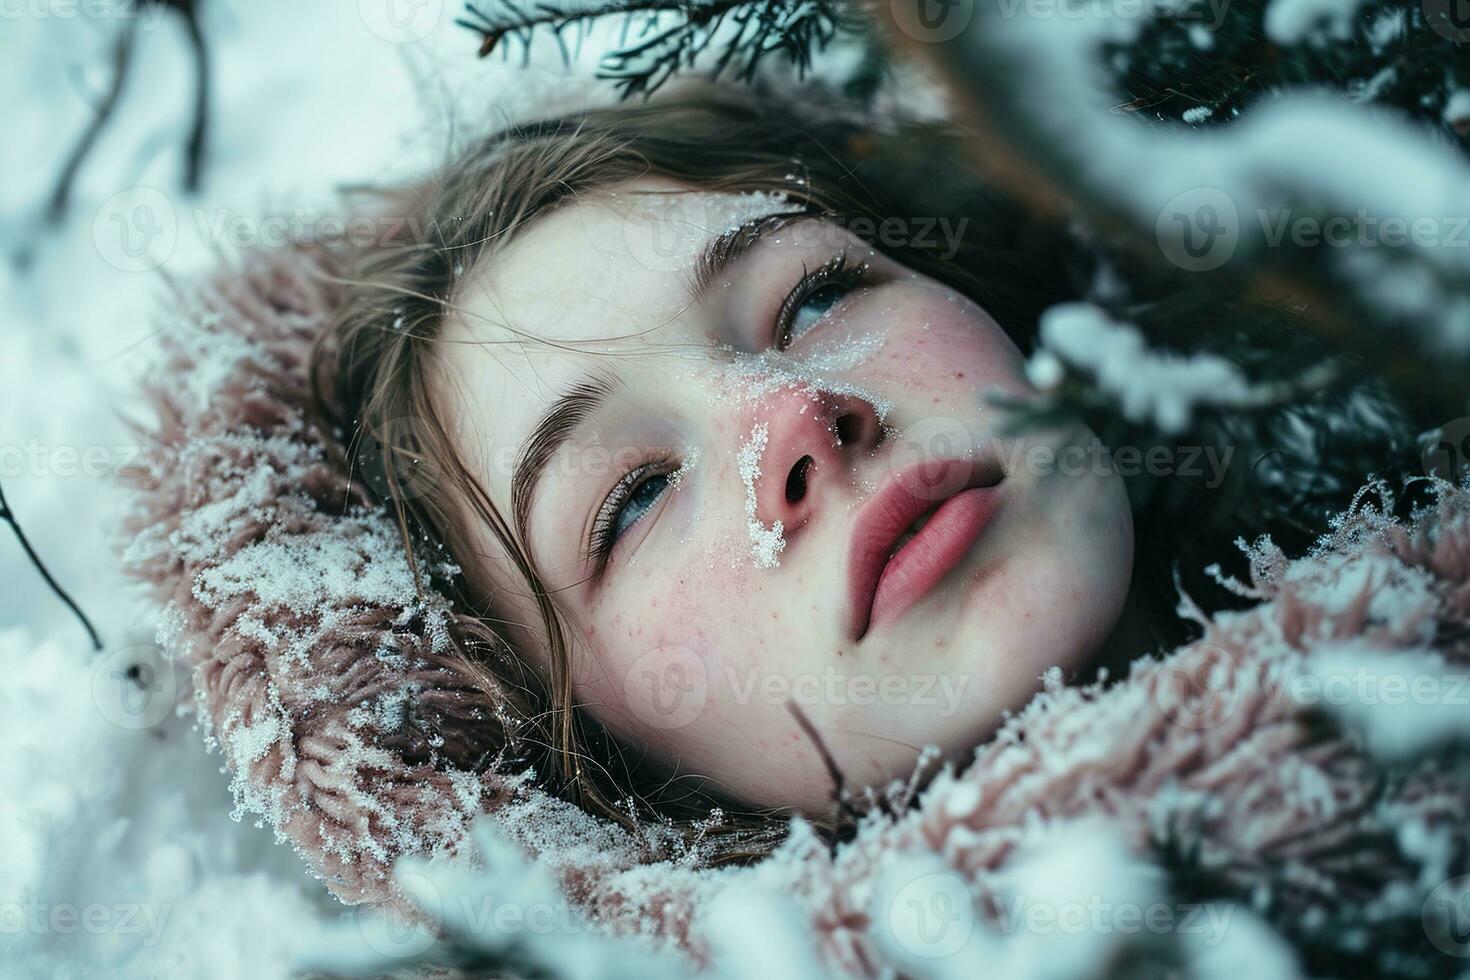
{"x": 959, "y": 374}
{"x": 775, "y": 615}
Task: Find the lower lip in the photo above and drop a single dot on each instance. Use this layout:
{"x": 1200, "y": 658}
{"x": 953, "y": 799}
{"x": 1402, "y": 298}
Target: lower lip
{"x": 920, "y": 565}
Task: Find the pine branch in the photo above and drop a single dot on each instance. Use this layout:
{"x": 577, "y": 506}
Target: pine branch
{"x": 663, "y": 37}
{"x": 8, "y": 516}
{"x": 1031, "y": 95}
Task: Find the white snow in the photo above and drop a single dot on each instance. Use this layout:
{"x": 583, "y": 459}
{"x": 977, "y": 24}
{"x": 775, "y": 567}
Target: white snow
{"x": 1457, "y": 108}
{"x": 1291, "y": 21}
{"x": 1401, "y": 703}
{"x": 766, "y": 543}
{"x": 119, "y": 855}
{"x": 1151, "y": 386}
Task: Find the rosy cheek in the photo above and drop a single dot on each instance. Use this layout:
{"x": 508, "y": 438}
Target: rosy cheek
{"x": 950, "y": 348}
{"x": 651, "y": 644}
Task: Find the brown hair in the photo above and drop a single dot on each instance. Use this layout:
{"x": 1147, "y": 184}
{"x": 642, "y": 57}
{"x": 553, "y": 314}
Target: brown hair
{"x": 375, "y": 364}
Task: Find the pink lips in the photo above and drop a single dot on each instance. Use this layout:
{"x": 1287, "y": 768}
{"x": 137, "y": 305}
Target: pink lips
{"x": 962, "y": 496}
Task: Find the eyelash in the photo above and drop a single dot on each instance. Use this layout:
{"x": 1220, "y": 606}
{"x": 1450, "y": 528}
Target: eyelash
{"x": 838, "y": 271}
{"x": 604, "y": 535}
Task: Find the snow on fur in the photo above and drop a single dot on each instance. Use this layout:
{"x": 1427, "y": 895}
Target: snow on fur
{"x": 325, "y": 678}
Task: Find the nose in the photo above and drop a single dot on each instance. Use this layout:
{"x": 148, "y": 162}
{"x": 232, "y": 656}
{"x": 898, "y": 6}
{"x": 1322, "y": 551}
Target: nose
{"x": 812, "y": 440}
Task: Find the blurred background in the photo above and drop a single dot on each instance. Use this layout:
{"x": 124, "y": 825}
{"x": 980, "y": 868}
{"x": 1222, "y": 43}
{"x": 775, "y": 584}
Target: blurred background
{"x": 111, "y": 804}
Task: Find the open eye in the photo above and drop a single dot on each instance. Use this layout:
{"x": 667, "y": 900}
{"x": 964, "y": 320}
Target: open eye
{"x": 813, "y": 308}
{"x": 814, "y": 296}
{"x": 639, "y": 502}
{"x": 638, "y": 492}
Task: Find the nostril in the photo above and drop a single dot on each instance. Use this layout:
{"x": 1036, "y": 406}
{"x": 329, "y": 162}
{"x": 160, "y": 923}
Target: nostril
{"x": 849, "y": 428}
{"x": 796, "y": 480}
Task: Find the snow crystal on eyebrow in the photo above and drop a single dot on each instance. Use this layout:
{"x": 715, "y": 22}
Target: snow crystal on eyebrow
{"x": 766, "y": 543}
{"x": 684, "y": 222}
{"x": 725, "y": 212}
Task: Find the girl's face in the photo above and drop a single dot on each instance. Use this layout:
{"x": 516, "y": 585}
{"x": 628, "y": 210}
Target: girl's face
{"x": 718, "y": 448}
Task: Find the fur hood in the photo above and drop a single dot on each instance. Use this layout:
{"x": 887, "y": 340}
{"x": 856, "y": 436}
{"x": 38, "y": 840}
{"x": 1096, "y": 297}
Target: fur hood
{"x": 1299, "y": 763}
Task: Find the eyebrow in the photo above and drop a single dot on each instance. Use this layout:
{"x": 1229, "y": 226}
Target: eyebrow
{"x": 570, "y": 410}
{"x": 566, "y": 414}
{"x": 724, "y": 250}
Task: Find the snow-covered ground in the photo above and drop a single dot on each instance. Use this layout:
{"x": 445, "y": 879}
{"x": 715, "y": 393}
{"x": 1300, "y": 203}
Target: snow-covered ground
{"x": 118, "y": 855}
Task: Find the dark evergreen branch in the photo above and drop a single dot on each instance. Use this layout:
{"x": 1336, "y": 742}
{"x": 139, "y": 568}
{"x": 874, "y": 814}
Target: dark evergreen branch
{"x": 662, "y": 37}
{"x": 8, "y": 516}
{"x": 1023, "y": 150}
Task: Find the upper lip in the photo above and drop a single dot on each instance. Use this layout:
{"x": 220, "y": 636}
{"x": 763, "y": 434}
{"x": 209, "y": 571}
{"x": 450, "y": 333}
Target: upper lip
{"x": 890, "y": 512}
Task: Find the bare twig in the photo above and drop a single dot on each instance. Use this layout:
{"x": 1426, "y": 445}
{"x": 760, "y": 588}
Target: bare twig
{"x": 845, "y": 810}
{"x": 8, "y": 516}
{"x": 194, "y": 151}
{"x": 122, "y": 57}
